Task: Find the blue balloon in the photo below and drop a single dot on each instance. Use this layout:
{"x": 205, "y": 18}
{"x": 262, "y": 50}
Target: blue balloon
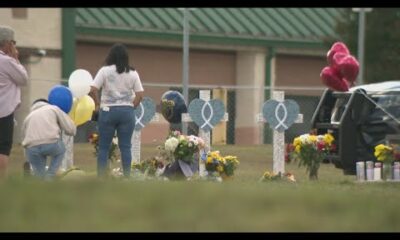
{"x": 61, "y": 96}
{"x": 172, "y": 106}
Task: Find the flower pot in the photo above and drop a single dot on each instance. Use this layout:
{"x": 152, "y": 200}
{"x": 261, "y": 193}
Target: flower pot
{"x": 313, "y": 174}
{"x": 387, "y": 171}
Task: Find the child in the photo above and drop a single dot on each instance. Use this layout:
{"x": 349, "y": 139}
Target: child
{"x": 41, "y": 134}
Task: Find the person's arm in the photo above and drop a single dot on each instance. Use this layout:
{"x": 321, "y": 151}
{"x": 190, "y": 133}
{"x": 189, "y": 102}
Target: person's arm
{"x": 95, "y": 87}
{"x": 17, "y": 72}
{"x": 138, "y": 99}
{"x": 65, "y": 122}
{"x": 137, "y": 88}
{"x": 94, "y": 93}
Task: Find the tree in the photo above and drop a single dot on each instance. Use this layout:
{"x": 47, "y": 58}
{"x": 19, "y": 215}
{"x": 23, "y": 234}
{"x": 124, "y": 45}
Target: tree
{"x": 382, "y": 42}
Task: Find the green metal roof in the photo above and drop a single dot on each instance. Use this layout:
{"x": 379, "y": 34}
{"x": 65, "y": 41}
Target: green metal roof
{"x": 238, "y": 25}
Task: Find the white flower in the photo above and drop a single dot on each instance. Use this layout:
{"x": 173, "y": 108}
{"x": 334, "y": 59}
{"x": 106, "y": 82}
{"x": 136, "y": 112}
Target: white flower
{"x": 171, "y": 144}
{"x": 194, "y": 140}
{"x": 182, "y": 138}
{"x": 320, "y": 138}
{"x": 115, "y": 140}
{"x": 305, "y": 139}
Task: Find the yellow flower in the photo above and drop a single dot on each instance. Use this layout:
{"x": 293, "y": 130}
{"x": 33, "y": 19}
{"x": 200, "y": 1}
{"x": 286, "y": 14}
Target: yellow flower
{"x": 383, "y": 153}
{"x": 296, "y": 141}
{"x": 312, "y": 138}
{"x": 214, "y": 154}
{"x": 221, "y": 160}
{"x": 380, "y": 148}
{"x": 232, "y": 159}
{"x": 220, "y": 168}
{"x": 297, "y": 149}
{"x": 328, "y": 138}
{"x": 381, "y": 158}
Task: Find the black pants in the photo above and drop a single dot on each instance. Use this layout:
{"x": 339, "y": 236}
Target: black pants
{"x": 6, "y": 134}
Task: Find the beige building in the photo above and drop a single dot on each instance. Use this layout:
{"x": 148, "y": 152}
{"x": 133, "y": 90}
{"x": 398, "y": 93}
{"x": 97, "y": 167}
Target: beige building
{"x": 244, "y": 51}
{"x": 38, "y": 36}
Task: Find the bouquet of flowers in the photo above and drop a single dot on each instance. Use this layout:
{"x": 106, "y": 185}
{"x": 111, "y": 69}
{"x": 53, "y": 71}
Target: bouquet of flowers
{"x": 267, "y": 176}
{"x": 113, "y": 154}
{"x": 311, "y": 149}
{"x": 219, "y": 165}
{"x": 289, "y": 153}
{"x": 149, "y": 167}
{"x": 387, "y": 154}
{"x": 182, "y": 147}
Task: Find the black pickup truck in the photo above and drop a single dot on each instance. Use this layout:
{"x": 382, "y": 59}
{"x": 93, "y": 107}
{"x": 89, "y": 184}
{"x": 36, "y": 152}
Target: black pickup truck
{"x": 359, "y": 119}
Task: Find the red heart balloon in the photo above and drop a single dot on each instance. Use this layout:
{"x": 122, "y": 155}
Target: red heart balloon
{"x": 336, "y": 60}
{"x": 349, "y": 67}
{"x": 331, "y": 79}
{"x": 336, "y": 48}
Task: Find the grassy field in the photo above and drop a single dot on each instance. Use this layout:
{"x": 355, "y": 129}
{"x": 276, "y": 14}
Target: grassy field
{"x": 333, "y": 203}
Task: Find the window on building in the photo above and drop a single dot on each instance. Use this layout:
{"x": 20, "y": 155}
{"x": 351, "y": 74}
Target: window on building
{"x": 21, "y": 13}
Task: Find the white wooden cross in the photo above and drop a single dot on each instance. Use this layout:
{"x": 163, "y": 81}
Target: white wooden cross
{"x": 204, "y": 95}
{"x": 137, "y": 142}
{"x": 278, "y": 137}
{"x": 68, "y": 160}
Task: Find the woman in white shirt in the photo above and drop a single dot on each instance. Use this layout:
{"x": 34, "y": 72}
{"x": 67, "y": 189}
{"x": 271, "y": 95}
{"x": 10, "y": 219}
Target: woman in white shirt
{"x": 121, "y": 93}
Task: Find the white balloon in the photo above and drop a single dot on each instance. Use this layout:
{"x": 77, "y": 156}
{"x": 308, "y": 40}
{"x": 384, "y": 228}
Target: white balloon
{"x": 79, "y": 82}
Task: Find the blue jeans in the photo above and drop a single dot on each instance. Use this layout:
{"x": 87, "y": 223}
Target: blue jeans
{"x": 37, "y": 157}
{"x": 122, "y": 120}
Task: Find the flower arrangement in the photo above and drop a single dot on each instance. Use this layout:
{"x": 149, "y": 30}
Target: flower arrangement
{"x": 219, "y": 165}
{"x": 182, "y": 147}
{"x": 268, "y": 176}
{"x": 387, "y": 154}
{"x": 149, "y": 167}
{"x": 113, "y": 154}
{"x": 311, "y": 149}
{"x": 289, "y": 152}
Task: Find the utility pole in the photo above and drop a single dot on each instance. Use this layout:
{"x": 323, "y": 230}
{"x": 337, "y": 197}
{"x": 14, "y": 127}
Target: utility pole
{"x": 361, "y": 41}
{"x": 185, "y": 60}
{"x": 185, "y": 73}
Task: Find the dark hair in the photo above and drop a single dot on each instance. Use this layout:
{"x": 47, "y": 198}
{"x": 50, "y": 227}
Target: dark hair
{"x": 40, "y": 100}
{"x": 118, "y": 55}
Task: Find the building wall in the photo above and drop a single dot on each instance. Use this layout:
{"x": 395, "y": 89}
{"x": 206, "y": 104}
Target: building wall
{"x": 299, "y": 71}
{"x": 41, "y": 28}
{"x": 35, "y": 28}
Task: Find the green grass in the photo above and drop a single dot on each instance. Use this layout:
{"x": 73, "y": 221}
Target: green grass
{"x": 333, "y": 203}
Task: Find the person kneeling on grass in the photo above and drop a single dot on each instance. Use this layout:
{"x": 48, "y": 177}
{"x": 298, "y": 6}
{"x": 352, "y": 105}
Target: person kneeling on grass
{"x": 41, "y": 134}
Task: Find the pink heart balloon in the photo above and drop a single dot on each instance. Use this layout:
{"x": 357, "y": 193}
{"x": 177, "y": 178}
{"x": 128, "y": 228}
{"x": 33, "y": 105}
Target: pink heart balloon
{"x": 349, "y": 68}
{"x": 331, "y": 79}
{"x": 336, "y": 48}
{"x": 336, "y": 60}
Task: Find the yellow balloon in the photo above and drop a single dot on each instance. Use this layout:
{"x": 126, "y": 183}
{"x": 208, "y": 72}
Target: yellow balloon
{"x": 73, "y": 109}
{"x": 84, "y": 110}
